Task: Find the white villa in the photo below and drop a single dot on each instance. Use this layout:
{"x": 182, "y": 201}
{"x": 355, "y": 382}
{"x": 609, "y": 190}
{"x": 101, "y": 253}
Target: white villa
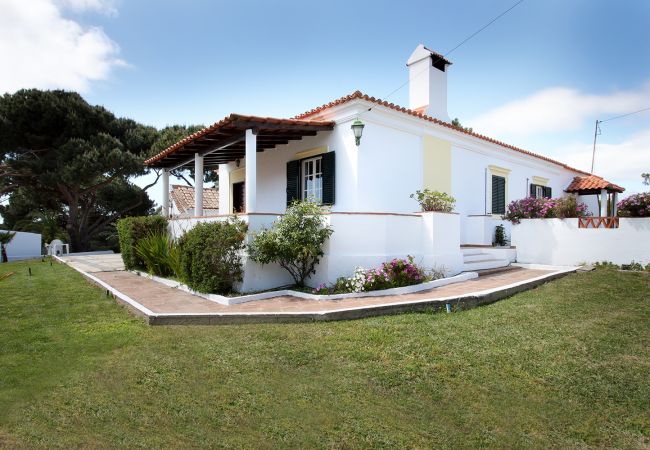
{"x": 264, "y": 163}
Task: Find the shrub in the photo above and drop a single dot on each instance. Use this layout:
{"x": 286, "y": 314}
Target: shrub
{"x": 160, "y": 254}
{"x": 568, "y": 207}
{"x": 295, "y": 241}
{"x": 434, "y": 200}
{"x": 637, "y": 205}
{"x": 130, "y": 230}
{"x": 606, "y": 265}
{"x": 635, "y": 266}
{"x": 210, "y": 255}
{"x": 545, "y": 208}
{"x": 500, "y": 238}
{"x": 396, "y": 273}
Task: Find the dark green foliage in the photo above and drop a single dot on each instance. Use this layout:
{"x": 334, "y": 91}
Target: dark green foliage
{"x": 131, "y": 230}
{"x": 500, "y": 238}
{"x": 64, "y": 154}
{"x": 160, "y": 255}
{"x": 295, "y": 241}
{"x": 211, "y": 256}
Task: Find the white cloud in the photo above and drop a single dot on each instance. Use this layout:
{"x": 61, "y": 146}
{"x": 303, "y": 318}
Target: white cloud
{"x": 40, "y": 48}
{"x": 620, "y": 163}
{"x": 557, "y": 109}
{"x": 79, "y": 6}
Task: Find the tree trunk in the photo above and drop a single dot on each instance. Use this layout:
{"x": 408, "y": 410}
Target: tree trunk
{"x": 4, "y": 253}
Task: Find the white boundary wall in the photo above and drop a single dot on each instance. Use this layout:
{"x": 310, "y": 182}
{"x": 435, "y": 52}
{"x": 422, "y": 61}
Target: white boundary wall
{"x": 24, "y": 246}
{"x": 359, "y": 239}
{"x": 561, "y": 242}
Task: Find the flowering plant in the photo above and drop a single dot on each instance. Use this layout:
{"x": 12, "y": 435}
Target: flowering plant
{"x": 544, "y": 208}
{"x": 395, "y": 273}
{"x": 434, "y": 200}
{"x": 637, "y": 205}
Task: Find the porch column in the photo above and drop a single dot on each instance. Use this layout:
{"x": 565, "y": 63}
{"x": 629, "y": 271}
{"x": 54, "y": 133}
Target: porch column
{"x": 165, "y": 196}
{"x": 224, "y": 189}
{"x": 198, "y": 184}
{"x": 614, "y": 202}
{"x": 603, "y": 203}
{"x": 251, "y": 171}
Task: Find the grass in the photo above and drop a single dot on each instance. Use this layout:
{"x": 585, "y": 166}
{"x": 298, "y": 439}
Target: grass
{"x": 565, "y": 365}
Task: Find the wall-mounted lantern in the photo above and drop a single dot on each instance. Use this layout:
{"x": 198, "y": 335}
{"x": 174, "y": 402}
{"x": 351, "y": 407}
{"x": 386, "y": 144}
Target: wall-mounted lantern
{"x": 357, "y": 129}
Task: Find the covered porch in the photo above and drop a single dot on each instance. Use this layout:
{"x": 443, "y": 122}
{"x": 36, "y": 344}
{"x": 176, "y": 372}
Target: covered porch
{"x": 232, "y": 139}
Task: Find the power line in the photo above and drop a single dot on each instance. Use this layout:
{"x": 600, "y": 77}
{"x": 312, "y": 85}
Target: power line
{"x": 597, "y": 132}
{"x": 455, "y": 48}
{"x": 625, "y": 115}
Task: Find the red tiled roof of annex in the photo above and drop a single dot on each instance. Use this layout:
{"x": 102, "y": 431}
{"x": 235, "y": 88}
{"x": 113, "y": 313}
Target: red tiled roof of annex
{"x": 592, "y": 182}
{"x": 183, "y": 197}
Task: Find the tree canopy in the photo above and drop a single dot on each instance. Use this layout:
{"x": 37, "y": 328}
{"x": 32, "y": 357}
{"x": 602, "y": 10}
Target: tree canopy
{"x": 63, "y": 156}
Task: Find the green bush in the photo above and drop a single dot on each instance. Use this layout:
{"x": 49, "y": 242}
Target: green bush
{"x": 434, "y": 200}
{"x": 160, "y": 254}
{"x": 295, "y": 241}
{"x": 210, "y": 256}
{"x": 130, "y": 230}
{"x": 500, "y": 238}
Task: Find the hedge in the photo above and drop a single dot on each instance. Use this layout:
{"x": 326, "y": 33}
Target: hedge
{"x": 211, "y": 255}
{"x": 130, "y": 230}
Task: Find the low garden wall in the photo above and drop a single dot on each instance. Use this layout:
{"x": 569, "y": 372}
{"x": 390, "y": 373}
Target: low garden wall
{"x": 359, "y": 239}
{"x": 562, "y": 242}
{"x": 24, "y": 246}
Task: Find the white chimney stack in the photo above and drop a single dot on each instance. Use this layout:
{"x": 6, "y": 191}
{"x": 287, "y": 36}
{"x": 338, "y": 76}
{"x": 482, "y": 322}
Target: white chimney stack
{"x": 428, "y": 82}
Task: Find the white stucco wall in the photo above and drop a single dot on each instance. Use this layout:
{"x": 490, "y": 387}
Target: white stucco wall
{"x": 24, "y": 246}
{"x": 561, "y": 242}
{"x": 360, "y": 239}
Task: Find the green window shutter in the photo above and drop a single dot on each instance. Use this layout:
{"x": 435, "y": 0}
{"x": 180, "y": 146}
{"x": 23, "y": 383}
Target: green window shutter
{"x": 498, "y": 195}
{"x": 293, "y": 181}
{"x": 533, "y": 190}
{"x": 548, "y": 192}
{"x": 328, "y": 166}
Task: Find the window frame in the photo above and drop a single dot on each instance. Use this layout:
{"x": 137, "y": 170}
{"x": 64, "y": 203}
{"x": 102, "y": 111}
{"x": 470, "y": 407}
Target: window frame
{"x": 317, "y": 164}
{"x": 498, "y": 172}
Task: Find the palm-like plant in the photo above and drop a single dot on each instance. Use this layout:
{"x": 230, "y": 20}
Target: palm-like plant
{"x": 5, "y": 239}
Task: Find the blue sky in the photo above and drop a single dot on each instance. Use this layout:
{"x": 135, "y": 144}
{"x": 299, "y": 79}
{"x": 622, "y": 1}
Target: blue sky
{"x": 538, "y": 77}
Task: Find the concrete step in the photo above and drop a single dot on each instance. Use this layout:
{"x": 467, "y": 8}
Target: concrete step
{"x": 486, "y": 264}
{"x": 477, "y": 257}
{"x": 471, "y": 251}
{"x": 497, "y": 270}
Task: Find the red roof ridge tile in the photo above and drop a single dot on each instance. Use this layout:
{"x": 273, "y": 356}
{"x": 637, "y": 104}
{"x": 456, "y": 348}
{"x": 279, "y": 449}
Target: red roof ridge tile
{"x": 360, "y": 95}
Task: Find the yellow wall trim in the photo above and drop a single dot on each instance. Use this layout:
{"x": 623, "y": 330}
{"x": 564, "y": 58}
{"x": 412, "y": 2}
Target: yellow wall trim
{"x": 436, "y": 164}
{"x": 540, "y": 180}
{"x": 499, "y": 171}
{"x": 311, "y": 152}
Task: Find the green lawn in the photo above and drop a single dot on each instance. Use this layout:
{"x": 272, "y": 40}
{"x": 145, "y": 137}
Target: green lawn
{"x": 566, "y": 365}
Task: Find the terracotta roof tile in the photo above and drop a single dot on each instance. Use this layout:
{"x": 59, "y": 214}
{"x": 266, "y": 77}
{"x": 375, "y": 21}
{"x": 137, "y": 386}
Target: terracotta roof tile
{"x": 359, "y": 95}
{"x": 183, "y": 197}
{"x": 232, "y": 119}
{"x": 592, "y": 182}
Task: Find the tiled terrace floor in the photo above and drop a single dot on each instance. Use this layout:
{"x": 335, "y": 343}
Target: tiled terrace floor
{"x": 161, "y": 299}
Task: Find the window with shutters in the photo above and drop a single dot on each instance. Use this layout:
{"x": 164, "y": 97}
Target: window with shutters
{"x": 312, "y": 180}
{"x": 539, "y": 191}
{"x": 497, "y": 189}
{"x": 498, "y": 194}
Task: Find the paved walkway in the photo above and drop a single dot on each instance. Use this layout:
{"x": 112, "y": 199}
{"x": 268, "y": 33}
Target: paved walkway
{"x": 160, "y": 304}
